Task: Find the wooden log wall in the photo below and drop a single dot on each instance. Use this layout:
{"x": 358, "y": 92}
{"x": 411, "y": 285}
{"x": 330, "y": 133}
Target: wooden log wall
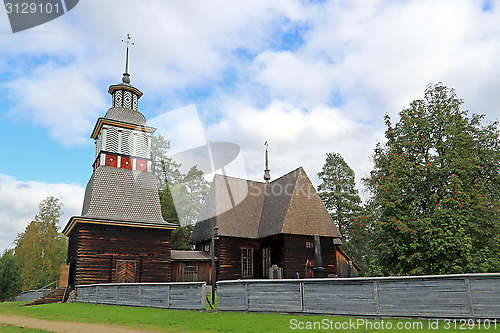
{"x": 228, "y": 253}
{"x": 99, "y": 248}
{"x": 296, "y": 254}
{"x": 182, "y": 295}
{"x": 469, "y": 296}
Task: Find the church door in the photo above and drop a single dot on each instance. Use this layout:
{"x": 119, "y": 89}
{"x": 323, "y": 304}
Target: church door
{"x": 125, "y": 271}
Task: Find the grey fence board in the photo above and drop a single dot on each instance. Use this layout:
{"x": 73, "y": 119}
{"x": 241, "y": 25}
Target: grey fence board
{"x": 176, "y": 295}
{"x": 31, "y": 295}
{"x": 445, "y": 296}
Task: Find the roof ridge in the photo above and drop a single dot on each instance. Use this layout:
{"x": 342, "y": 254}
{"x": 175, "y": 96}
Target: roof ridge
{"x": 291, "y": 196}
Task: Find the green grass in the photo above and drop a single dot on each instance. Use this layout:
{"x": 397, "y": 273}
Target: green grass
{"x": 199, "y": 321}
{"x": 16, "y": 329}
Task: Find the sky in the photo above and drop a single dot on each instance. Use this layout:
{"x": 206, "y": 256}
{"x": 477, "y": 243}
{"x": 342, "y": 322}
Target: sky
{"x": 308, "y": 77}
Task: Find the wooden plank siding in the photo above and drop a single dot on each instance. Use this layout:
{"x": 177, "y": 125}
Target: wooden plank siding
{"x": 95, "y": 250}
{"x": 179, "y": 295}
{"x": 468, "y": 296}
{"x": 179, "y": 274}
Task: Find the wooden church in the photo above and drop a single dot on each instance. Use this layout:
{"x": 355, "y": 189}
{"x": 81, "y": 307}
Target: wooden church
{"x": 271, "y": 231}
{"x": 120, "y": 235}
{"x": 278, "y": 229}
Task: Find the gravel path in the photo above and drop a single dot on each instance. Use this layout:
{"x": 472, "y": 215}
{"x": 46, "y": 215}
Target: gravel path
{"x": 64, "y": 327}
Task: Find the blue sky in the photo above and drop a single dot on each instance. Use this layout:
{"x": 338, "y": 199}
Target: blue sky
{"x": 309, "y": 77}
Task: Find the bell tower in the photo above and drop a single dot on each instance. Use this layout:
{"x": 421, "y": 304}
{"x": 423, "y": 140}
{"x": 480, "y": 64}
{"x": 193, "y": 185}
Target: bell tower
{"x": 121, "y": 235}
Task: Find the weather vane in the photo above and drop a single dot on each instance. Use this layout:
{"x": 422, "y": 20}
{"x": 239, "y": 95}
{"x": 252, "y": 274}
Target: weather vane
{"x": 127, "y": 40}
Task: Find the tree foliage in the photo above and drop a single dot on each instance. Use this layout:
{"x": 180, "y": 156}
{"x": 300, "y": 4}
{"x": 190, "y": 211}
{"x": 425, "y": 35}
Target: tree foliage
{"x": 435, "y": 190}
{"x": 189, "y": 191}
{"x": 41, "y": 248}
{"x": 10, "y": 276}
{"x": 340, "y": 197}
{"x": 338, "y": 193}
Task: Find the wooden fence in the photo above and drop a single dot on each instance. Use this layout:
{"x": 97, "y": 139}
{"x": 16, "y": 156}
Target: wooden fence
{"x": 176, "y": 295}
{"x": 31, "y": 295}
{"x": 446, "y": 296}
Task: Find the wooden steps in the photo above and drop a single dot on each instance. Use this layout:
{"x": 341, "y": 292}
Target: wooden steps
{"x": 54, "y": 297}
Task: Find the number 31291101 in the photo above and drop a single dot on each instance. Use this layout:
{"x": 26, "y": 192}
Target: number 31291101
{"x": 32, "y": 8}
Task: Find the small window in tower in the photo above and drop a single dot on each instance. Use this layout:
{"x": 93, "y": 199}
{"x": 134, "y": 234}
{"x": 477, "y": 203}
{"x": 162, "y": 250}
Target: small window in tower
{"x": 112, "y": 139}
{"x": 134, "y": 102}
{"x": 127, "y": 99}
{"x": 127, "y": 145}
{"x": 142, "y": 147}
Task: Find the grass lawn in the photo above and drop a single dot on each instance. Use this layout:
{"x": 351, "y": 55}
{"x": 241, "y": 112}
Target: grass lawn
{"x": 197, "y": 321}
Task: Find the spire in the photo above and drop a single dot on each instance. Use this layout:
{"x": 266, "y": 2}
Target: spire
{"x": 126, "y": 75}
{"x": 267, "y": 174}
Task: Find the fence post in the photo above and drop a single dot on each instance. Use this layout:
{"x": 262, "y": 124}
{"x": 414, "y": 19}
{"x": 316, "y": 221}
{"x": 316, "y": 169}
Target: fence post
{"x": 302, "y": 300}
{"x": 377, "y": 301}
{"x": 469, "y": 296}
{"x": 168, "y": 296}
{"x": 246, "y": 295}
{"x": 96, "y": 294}
{"x": 140, "y": 294}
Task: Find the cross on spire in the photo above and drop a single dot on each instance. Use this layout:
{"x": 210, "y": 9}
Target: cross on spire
{"x": 126, "y": 75}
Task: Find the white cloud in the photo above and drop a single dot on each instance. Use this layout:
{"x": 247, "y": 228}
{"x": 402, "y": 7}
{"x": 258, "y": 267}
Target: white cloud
{"x": 60, "y": 99}
{"x": 299, "y": 80}
{"x": 19, "y": 202}
{"x": 296, "y": 137}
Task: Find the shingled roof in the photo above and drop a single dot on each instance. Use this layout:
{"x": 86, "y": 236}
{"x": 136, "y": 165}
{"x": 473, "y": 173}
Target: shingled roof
{"x": 249, "y": 209}
{"x": 124, "y": 195}
{"x": 126, "y": 115}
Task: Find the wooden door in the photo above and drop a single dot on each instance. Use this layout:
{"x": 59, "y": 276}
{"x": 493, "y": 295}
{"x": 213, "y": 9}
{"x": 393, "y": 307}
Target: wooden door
{"x": 125, "y": 271}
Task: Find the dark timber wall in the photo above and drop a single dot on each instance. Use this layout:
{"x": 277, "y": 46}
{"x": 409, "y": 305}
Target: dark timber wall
{"x": 466, "y": 296}
{"x": 295, "y": 255}
{"x": 95, "y": 250}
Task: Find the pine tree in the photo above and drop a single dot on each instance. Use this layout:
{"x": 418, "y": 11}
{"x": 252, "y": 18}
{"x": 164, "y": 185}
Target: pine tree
{"x": 435, "y": 189}
{"x": 188, "y": 189}
{"x": 41, "y": 248}
{"x": 338, "y": 193}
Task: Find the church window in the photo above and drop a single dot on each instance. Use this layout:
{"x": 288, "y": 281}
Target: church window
{"x": 246, "y": 262}
{"x": 309, "y": 245}
{"x": 266, "y": 261}
{"x": 190, "y": 267}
